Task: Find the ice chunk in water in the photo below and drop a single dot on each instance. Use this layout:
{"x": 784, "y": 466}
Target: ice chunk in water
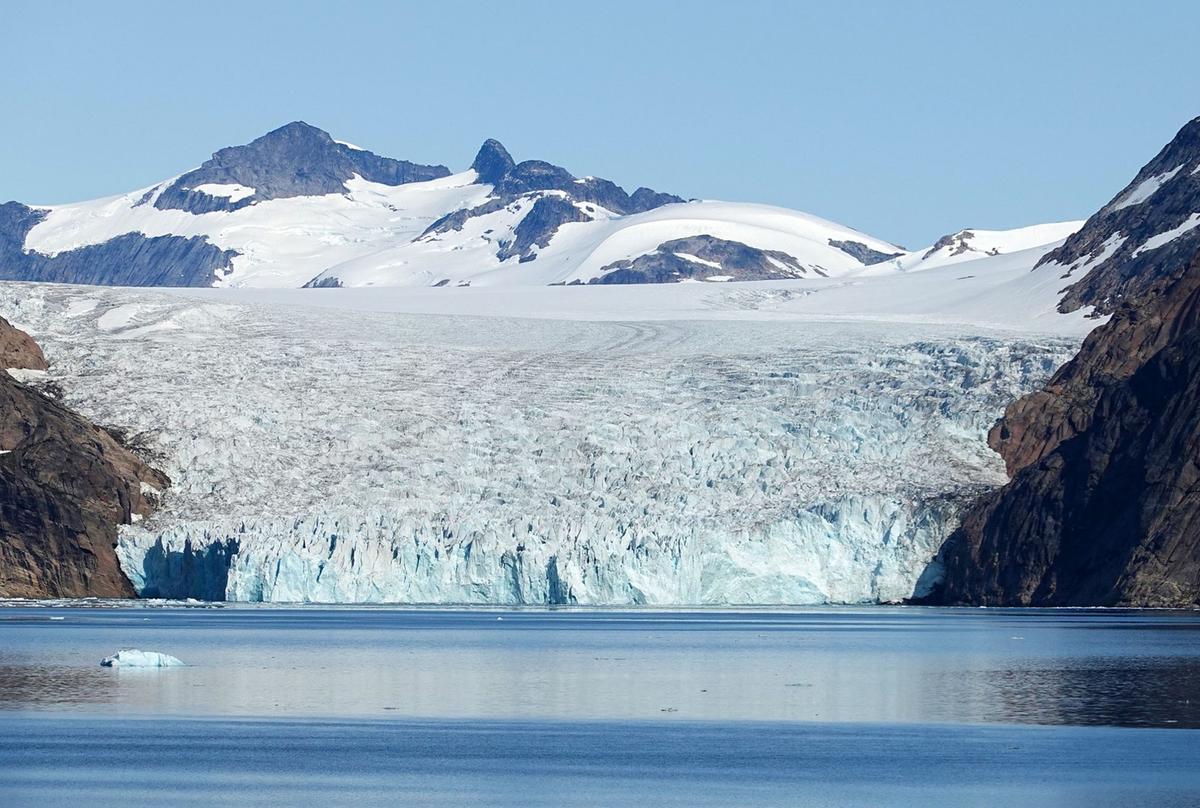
{"x": 133, "y": 658}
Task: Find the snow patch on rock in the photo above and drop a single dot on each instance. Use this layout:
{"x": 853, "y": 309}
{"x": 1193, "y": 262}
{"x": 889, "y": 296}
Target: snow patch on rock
{"x": 1145, "y": 189}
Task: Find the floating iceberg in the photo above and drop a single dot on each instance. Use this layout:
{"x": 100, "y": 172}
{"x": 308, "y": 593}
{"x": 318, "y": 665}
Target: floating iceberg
{"x": 133, "y": 658}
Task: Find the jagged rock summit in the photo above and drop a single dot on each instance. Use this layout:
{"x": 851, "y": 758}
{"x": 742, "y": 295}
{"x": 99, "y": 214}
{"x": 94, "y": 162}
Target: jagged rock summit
{"x": 293, "y": 160}
{"x": 492, "y": 162}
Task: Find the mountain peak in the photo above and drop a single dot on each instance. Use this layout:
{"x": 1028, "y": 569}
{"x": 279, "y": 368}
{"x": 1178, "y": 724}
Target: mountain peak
{"x": 297, "y": 129}
{"x": 492, "y": 162}
{"x": 297, "y": 159}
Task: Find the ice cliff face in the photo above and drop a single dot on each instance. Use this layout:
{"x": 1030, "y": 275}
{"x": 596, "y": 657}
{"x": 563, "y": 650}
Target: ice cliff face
{"x": 325, "y": 455}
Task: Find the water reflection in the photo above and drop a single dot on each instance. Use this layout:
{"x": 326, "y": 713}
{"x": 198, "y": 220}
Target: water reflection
{"x": 1134, "y": 692}
{"x": 834, "y": 665}
{"x": 26, "y": 685}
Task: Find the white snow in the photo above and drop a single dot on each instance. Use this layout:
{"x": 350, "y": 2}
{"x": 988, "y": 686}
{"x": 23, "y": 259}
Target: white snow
{"x": 1166, "y": 237}
{"x": 992, "y": 292}
{"x": 1084, "y": 264}
{"x": 983, "y": 243}
{"x": 771, "y": 442}
{"x": 695, "y": 259}
{"x": 366, "y": 237}
{"x": 370, "y": 236}
{"x": 133, "y": 658}
{"x": 26, "y": 374}
{"x": 231, "y": 191}
{"x": 1145, "y": 189}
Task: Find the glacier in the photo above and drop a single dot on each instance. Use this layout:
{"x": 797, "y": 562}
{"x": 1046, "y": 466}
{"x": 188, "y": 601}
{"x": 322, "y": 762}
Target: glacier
{"x": 747, "y": 446}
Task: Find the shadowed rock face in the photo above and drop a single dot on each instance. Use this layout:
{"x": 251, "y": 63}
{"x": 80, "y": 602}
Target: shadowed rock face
{"x": 1103, "y": 507}
{"x": 65, "y": 486}
{"x": 131, "y": 259}
{"x": 539, "y": 226}
{"x": 862, "y": 252}
{"x": 293, "y": 160}
{"x": 492, "y": 162}
{"x": 1112, "y": 257}
{"x": 1104, "y": 504}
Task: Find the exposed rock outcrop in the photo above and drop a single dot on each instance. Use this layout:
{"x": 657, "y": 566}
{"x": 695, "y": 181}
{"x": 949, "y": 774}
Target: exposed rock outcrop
{"x": 18, "y": 350}
{"x": 1148, "y": 230}
{"x": 539, "y": 225}
{"x": 1104, "y": 504}
{"x": 558, "y": 198}
{"x": 492, "y": 162}
{"x": 65, "y": 486}
{"x": 704, "y": 257}
{"x": 862, "y": 252}
{"x": 132, "y": 259}
{"x": 293, "y": 160}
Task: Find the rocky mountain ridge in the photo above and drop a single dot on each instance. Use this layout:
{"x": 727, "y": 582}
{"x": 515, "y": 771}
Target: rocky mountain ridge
{"x": 295, "y": 207}
{"x": 1103, "y": 507}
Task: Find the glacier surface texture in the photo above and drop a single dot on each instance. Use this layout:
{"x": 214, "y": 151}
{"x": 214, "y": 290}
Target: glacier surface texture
{"x": 329, "y": 455}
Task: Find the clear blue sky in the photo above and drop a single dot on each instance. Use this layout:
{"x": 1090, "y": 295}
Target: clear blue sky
{"x": 904, "y": 119}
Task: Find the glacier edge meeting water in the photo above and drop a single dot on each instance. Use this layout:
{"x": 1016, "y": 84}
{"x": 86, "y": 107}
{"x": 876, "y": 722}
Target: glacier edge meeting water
{"x": 321, "y": 455}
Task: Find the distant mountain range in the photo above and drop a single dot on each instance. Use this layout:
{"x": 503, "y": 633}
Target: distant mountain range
{"x": 297, "y": 208}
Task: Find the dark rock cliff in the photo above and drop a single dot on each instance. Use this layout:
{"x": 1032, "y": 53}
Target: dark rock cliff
{"x": 18, "y": 350}
{"x": 1103, "y": 507}
{"x": 1104, "y": 504}
{"x": 1111, "y": 258}
{"x": 65, "y": 486}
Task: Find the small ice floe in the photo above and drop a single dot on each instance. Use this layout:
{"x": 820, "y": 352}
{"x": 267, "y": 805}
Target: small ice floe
{"x": 133, "y": 658}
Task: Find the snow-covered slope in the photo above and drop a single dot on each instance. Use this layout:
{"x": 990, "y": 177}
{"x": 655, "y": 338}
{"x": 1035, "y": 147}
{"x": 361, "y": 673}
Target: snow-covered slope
{"x": 580, "y": 251}
{"x": 280, "y": 242}
{"x": 371, "y": 235}
{"x": 295, "y": 207}
{"x": 970, "y": 244}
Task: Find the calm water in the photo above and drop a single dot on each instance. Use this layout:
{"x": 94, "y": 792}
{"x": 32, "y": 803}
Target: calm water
{"x": 437, "y": 707}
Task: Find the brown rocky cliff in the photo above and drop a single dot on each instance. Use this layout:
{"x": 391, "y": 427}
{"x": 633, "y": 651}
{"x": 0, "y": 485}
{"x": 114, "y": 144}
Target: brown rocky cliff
{"x": 1104, "y": 503}
{"x": 65, "y": 487}
{"x": 18, "y": 350}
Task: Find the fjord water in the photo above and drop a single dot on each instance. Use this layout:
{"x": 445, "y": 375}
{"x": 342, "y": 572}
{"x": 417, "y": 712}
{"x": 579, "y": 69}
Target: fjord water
{"x": 878, "y": 706}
